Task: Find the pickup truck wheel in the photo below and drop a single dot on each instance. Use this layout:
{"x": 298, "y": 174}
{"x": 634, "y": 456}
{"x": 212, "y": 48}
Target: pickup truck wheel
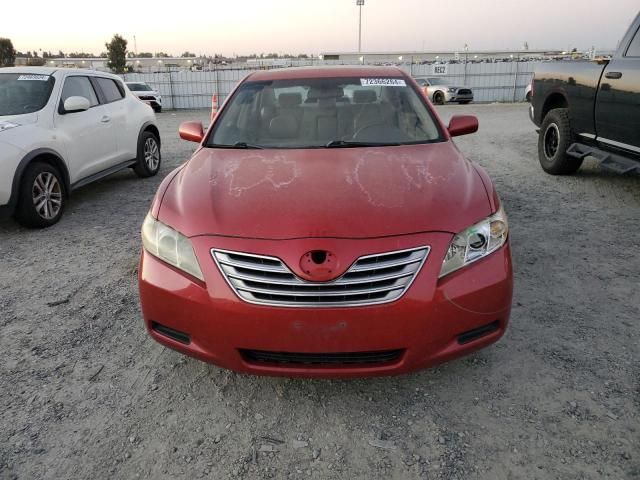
{"x": 554, "y": 140}
{"x": 42, "y": 196}
{"x": 148, "y": 161}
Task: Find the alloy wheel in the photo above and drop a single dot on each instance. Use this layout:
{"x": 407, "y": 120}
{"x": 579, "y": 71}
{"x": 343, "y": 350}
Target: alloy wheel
{"x": 151, "y": 154}
{"x": 47, "y": 195}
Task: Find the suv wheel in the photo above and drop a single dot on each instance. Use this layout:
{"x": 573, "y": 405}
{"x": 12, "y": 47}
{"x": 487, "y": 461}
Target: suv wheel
{"x": 554, "y": 140}
{"x": 148, "y": 161}
{"x": 42, "y": 196}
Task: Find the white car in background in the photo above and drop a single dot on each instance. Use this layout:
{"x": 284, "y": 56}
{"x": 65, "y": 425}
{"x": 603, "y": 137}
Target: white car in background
{"x": 61, "y": 129}
{"x": 147, "y": 94}
{"x": 440, "y": 91}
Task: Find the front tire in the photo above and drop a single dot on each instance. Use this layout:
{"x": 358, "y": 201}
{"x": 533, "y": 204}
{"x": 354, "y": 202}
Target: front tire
{"x": 438, "y": 98}
{"x": 553, "y": 141}
{"x": 149, "y": 157}
{"x": 42, "y": 196}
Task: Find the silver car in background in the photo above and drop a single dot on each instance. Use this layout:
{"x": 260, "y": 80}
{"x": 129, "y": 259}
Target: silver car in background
{"x": 441, "y": 92}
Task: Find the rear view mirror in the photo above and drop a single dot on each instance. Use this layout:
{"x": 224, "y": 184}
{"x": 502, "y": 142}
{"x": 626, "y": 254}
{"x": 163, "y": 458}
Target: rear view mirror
{"x": 462, "y": 125}
{"x": 76, "y": 104}
{"x": 191, "y": 131}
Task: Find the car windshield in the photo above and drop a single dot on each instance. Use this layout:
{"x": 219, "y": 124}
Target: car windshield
{"x": 22, "y": 93}
{"x": 139, "y": 87}
{"x": 437, "y": 81}
{"x": 324, "y": 112}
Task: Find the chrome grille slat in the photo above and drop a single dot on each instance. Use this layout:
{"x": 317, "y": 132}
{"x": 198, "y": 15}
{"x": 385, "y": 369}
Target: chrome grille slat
{"x": 372, "y": 279}
{"x": 295, "y": 281}
{"x": 361, "y": 265}
{"x": 325, "y": 293}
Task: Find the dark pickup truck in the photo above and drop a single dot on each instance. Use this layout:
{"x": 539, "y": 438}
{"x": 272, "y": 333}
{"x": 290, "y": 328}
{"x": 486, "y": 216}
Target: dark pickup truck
{"x": 590, "y": 108}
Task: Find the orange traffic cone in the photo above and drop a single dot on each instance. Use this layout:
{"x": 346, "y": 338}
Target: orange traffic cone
{"x": 214, "y": 106}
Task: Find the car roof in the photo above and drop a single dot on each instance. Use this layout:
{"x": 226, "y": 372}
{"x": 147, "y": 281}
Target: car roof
{"x": 30, "y": 70}
{"x": 325, "y": 72}
{"x": 52, "y": 70}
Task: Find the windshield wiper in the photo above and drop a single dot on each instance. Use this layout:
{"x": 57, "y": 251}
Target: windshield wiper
{"x": 347, "y": 143}
{"x": 237, "y": 145}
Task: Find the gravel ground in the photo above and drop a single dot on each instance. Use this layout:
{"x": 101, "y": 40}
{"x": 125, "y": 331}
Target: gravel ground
{"x": 84, "y": 393}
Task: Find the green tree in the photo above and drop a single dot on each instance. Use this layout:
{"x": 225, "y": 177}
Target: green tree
{"x": 7, "y": 53}
{"x": 188, "y": 54}
{"x": 145, "y": 55}
{"x": 162, "y": 55}
{"x": 117, "y": 54}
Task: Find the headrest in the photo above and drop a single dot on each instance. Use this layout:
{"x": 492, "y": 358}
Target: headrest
{"x": 364, "y": 96}
{"x": 316, "y": 93}
{"x": 284, "y": 126}
{"x": 289, "y": 100}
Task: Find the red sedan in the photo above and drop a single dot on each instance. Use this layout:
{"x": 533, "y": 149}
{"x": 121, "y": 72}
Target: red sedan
{"x": 327, "y": 226}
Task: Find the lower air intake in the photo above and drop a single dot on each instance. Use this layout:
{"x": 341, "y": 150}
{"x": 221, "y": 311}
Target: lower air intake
{"x": 320, "y": 359}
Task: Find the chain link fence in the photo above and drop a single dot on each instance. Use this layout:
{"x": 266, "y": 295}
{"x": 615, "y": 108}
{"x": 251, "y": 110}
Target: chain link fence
{"x": 490, "y": 82}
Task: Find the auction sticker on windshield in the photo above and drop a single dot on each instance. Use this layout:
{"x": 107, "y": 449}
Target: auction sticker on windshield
{"x": 42, "y": 78}
{"x": 382, "y": 82}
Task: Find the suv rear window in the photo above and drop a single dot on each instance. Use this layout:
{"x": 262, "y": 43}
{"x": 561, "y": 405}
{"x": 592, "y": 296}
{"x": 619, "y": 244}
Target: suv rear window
{"x": 110, "y": 89}
{"x": 22, "y": 93}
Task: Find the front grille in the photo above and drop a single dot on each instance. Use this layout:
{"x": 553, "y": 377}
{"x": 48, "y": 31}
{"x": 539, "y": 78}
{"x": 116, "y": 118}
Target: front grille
{"x": 464, "y": 91}
{"x": 345, "y": 358}
{"x": 372, "y": 279}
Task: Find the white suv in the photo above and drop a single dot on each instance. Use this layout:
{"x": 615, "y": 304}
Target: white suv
{"x": 147, "y": 94}
{"x": 61, "y": 129}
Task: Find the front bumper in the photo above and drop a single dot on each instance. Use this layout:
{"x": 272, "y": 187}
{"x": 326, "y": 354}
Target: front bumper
{"x": 425, "y": 324}
{"x": 10, "y": 157}
{"x": 456, "y": 97}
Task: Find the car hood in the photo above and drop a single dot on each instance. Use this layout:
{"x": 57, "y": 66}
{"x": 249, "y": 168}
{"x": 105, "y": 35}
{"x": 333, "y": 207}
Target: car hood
{"x": 342, "y": 192}
{"x": 22, "y": 119}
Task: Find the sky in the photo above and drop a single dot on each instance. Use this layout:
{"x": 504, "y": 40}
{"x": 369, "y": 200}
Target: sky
{"x": 254, "y": 26}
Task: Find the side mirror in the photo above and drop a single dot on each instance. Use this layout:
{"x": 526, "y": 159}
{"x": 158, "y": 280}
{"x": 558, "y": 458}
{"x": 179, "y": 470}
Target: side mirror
{"x": 76, "y": 104}
{"x": 462, "y": 125}
{"x": 191, "y": 131}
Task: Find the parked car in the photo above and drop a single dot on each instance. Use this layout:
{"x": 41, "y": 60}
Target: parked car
{"x": 441, "y": 92}
{"x": 590, "y": 109}
{"x": 61, "y": 129}
{"x": 147, "y": 94}
{"x": 312, "y": 236}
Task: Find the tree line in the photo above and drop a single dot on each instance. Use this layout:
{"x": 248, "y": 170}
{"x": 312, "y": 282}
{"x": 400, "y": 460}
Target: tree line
{"x": 116, "y": 55}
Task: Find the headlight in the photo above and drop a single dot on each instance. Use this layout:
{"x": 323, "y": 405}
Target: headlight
{"x": 476, "y": 242}
{"x": 170, "y": 246}
{"x": 451, "y": 90}
{"x": 7, "y": 125}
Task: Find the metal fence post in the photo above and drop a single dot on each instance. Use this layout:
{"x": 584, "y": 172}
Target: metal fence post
{"x": 215, "y": 68}
{"x": 515, "y": 79}
{"x": 173, "y": 101}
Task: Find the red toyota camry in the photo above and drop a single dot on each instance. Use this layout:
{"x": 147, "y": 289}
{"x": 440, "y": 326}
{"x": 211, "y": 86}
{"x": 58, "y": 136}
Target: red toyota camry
{"x": 326, "y": 226}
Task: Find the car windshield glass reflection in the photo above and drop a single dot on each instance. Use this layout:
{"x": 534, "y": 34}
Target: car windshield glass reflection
{"x": 23, "y": 93}
{"x": 324, "y": 113}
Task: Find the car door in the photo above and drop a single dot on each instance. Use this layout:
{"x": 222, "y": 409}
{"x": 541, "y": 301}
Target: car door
{"x": 112, "y": 95}
{"x": 618, "y": 99}
{"x": 87, "y": 135}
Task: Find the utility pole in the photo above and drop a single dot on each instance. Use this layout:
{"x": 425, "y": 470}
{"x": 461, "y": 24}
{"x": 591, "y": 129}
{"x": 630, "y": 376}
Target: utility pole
{"x": 360, "y": 3}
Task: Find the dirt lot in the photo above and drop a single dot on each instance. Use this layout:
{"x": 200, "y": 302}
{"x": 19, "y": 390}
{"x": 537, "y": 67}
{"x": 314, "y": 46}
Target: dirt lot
{"x": 84, "y": 393}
